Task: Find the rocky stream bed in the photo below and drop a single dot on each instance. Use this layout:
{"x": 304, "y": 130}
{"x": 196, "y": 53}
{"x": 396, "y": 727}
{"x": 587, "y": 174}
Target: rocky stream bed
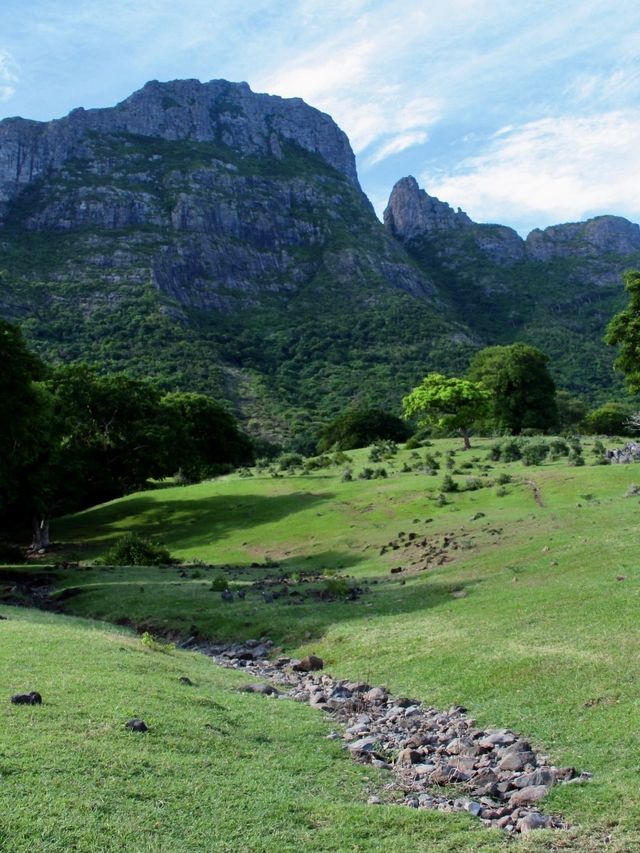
{"x": 436, "y": 759}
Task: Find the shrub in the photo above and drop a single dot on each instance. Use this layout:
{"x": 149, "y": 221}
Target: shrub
{"x": 472, "y": 484}
{"x": 575, "y": 458}
{"x": 219, "y": 584}
{"x": 366, "y": 474}
{"x": 430, "y": 461}
{"x": 558, "y": 447}
{"x": 412, "y": 443}
{"x": 383, "y": 450}
{"x": 134, "y": 550}
{"x": 347, "y": 475}
{"x": 501, "y": 492}
{"x": 510, "y": 450}
{"x": 361, "y": 426}
{"x": 610, "y": 419}
{"x": 338, "y": 587}
{"x": 289, "y": 461}
{"x": 448, "y": 484}
{"x": 503, "y": 479}
{"x": 150, "y": 642}
{"x": 535, "y": 453}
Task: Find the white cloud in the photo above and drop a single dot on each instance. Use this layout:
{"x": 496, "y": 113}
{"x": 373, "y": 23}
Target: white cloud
{"x": 397, "y": 144}
{"x": 551, "y": 170}
{"x": 8, "y": 75}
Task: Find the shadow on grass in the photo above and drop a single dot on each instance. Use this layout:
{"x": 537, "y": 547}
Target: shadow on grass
{"x": 174, "y": 600}
{"x": 182, "y": 523}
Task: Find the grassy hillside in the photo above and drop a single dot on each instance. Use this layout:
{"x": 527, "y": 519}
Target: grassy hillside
{"x": 217, "y": 770}
{"x": 526, "y": 612}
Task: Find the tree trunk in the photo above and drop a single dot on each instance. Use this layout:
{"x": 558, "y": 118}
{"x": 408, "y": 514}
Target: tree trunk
{"x": 465, "y": 437}
{"x": 40, "y": 539}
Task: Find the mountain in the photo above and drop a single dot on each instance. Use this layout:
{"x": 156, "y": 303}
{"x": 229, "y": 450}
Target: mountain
{"x": 556, "y": 289}
{"x": 218, "y": 240}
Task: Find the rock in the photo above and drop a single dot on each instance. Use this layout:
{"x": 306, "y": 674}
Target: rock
{"x": 33, "y": 698}
{"x": 365, "y": 744}
{"x": 525, "y": 796}
{"x": 409, "y": 756}
{"x": 376, "y": 694}
{"x": 136, "y": 725}
{"x": 309, "y": 664}
{"x": 501, "y": 737}
{"x": 226, "y": 595}
{"x": 262, "y": 689}
{"x": 446, "y": 775}
{"x": 533, "y": 821}
{"x": 374, "y": 801}
{"x": 516, "y": 760}
{"x": 186, "y": 681}
{"x": 474, "y": 808}
{"x": 542, "y": 776}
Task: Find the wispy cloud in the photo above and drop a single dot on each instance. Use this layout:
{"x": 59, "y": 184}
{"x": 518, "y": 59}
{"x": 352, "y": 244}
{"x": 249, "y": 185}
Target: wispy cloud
{"x": 550, "y": 170}
{"x": 8, "y": 75}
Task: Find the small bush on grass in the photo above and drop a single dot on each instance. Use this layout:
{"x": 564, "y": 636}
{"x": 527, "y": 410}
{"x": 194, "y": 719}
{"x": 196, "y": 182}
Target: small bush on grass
{"x": 503, "y": 479}
{"x": 535, "y": 453}
{"x": 575, "y": 458}
{"x": 154, "y": 645}
{"x": 134, "y": 550}
{"x": 219, "y": 584}
{"x": 448, "y": 484}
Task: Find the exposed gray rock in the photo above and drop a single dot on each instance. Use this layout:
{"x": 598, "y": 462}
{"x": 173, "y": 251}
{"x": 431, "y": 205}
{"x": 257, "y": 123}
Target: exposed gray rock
{"x": 136, "y": 725}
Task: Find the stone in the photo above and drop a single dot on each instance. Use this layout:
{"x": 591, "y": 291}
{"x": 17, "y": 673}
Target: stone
{"x": 33, "y": 698}
{"x": 515, "y": 760}
{"x": 136, "y": 725}
{"x": 261, "y": 689}
{"x": 525, "y": 796}
{"x": 474, "y": 808}
{"x": 533, "y": 821}
{"x": 542, "y": 776}
{"x": 446, "y": 775}
{"x": 186, "y": 681}
{"x": 310, "y": 663}
{"x": 501, "y": 737}
{"x": 365, "y": 744}
{"x": 374, "y": 801}
{"x": 409, "y": 756}
{"x": 376, "y": 694}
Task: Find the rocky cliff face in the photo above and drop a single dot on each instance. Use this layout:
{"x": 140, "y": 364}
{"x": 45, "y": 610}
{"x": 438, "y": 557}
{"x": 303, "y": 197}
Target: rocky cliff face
{"x": 557, "y": 289}
{"x": 209, "y": 217}
{"x": 218, "y": 111}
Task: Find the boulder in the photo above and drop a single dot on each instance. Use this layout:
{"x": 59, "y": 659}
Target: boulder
{"x": 309, "y": 664}
{"x": 525, "y": 796}
{"x": 136, "y": 725}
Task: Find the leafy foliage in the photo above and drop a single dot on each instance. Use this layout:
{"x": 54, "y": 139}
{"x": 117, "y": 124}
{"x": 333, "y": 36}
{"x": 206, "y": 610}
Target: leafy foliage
{"x": 359, "y": 427}
{"x": 610, "y": 419}
{"x": 448, "y": 403}
{"x": 624, "y": 331}
{"x": 522, "y": 389}
{"x": 135, "y": 550}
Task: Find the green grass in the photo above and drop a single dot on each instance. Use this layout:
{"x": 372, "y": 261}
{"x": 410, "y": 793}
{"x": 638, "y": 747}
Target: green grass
{"x": 526, "y": 625}
{"x": 218, "y": 770}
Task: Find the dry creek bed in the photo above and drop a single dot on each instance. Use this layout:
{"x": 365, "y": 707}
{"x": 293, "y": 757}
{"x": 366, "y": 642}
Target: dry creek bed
{"x": 496, "y": 775}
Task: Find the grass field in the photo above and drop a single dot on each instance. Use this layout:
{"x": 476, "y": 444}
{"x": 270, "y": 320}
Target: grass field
{"x": 525, "y": 621}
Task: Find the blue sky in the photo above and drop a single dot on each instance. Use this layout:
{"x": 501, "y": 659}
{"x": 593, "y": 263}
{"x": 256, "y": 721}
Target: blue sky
{"x": 522, "y": 113}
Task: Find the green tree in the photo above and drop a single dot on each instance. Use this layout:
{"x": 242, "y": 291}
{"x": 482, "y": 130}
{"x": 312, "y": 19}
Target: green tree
{"x": 359, "y": 427}
{"x": 203, "y": 435}
{"x": 571, "y": 410}
{"x": 522, "y": 389}
{"x": 449, "y": 403}
{"x": 610, "y": 419}
{"x": 22, "y": 426}
{"x": 624, "y": 331}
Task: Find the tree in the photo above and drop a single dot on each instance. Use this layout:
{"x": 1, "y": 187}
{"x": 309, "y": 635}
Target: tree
{"x": 448, "y": 403}
{"x": 203, "y": 435}
{"x": 359, "y": 427}
{"x": 522, "y": 389}
{"x": 624, "y": 331}
{"x": 571, "y": 410}
{"x": 21, "y": 426}
{"x": 611, "y": 419}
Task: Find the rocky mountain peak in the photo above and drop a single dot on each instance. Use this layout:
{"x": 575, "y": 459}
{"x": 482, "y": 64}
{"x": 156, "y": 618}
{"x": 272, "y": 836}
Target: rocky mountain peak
{"x": 597, "y": 236}
{"x": 411, "y": 212}
{"x": 229, "y": 114}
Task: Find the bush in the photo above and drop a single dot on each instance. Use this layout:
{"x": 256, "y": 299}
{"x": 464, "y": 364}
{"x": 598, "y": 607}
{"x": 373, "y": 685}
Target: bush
{"x": 501, "y": 492}
{"x": 412, "y": 443}
{"x": 219, "y": 584}
{"x": 383, "y": 450}
{"x": 535, "y": 453}
{"x": 347, "y": 475}
{"x": 575, "y": 458}
{"x": 361, "y": 427}
{"x": 366, "y": 474}
{"x": 472, "y": 484}
{"x": 134, "y": 550}
{"x": 558, "y": 447}
{"x": 338, "y": 587}
{"x": 448, "y": 484}
{"x": 289, "y": 461}
{"x": 610, "y": 419}
{"x": 503, "y": 479}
